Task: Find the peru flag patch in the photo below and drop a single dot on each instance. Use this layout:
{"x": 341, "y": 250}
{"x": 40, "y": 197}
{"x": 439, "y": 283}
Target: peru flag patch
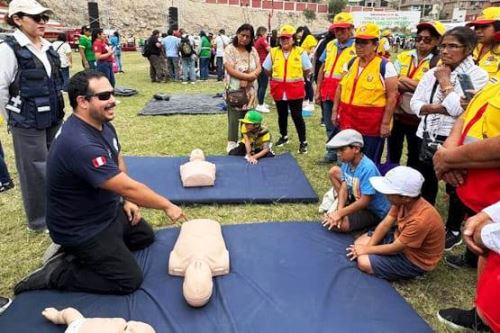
{"x": 99, "y": 161}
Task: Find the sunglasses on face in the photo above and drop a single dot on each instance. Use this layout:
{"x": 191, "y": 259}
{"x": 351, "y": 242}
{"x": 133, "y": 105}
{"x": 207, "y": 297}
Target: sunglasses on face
{"x": 38, "y": 18}
{"x": 102, "y": 96}
{"x": 425, "y": 39}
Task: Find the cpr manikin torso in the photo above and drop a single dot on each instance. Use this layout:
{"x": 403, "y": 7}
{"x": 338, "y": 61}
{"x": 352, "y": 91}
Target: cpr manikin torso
{"x": 199, "y": 254}
{"x": 79, "y": 324}
{"x": 197, "y": 172}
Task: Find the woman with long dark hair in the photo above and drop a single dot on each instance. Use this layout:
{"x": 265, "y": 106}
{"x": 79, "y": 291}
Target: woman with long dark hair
{"x": 411, "y": 67}
{"x": 242, "y": 65}
{"x": 308, "y": 42}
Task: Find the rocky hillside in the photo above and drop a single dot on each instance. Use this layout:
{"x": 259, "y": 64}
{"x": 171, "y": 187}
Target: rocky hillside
{"x": 138, "y": 18}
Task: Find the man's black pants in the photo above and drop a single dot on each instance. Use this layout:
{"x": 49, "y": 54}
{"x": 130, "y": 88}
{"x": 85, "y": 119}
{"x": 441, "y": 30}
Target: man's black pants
{"x": 105, "y": 264}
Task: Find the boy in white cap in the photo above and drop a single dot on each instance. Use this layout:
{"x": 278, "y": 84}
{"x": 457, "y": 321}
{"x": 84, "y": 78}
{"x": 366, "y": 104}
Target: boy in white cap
{"x": 410, "y": 240}
{"x": 360, "y": 206}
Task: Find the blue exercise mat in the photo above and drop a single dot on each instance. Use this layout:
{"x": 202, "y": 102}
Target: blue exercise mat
{"x": 285, "y": 277}
{"x": 273, "y": 179}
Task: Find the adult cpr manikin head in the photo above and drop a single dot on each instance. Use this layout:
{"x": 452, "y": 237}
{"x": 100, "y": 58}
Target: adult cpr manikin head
{"x": 197, "y": 172}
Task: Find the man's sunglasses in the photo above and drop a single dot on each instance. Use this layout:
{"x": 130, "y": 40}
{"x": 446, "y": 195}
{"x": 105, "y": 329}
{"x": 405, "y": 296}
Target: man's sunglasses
{"x": 425, "y": 39}
{"x": 37, "y": 18}
{"x": 102, "y": 96}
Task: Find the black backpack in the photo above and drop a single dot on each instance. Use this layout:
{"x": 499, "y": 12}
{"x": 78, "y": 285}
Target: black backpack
{"x": 146, "y": 49}
{"x": 185, "y": 47}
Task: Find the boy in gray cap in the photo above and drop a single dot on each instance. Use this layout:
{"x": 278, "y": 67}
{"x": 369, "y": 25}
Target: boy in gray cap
{"x": 410, "y": 240}
{"x": 359, "y": 205}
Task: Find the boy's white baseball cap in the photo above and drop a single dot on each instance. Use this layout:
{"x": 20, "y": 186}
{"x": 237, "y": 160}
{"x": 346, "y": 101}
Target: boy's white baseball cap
{"x": 401, "y": 180}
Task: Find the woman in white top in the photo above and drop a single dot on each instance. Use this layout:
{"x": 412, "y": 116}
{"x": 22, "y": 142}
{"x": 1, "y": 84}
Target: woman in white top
{"x": 31, "y": 100}
{"x": 437, "y": 97}
{"x": 64, "y": 50}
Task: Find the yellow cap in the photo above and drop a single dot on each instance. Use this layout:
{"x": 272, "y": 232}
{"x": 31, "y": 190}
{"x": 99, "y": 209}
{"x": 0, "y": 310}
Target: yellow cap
{"x": 342, "y": 20}
{"x": 386, "y": 33}
{"x": 368, "y": 31}
{"x": 286, "y": 31}
{"x": 489, "y": 15}
{"x": 436, "y": 25}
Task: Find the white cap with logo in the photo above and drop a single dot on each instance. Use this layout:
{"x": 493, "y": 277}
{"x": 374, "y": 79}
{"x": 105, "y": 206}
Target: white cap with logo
{"x": 30, "y": 7}
{"x": 401, "y": 180}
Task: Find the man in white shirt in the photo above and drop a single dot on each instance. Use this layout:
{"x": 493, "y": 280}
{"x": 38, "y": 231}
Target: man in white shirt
{"x": 220, "y": 43}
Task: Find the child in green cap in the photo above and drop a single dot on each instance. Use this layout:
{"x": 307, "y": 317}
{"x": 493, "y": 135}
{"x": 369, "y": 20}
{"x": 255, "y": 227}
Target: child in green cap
{"x": 256, "y": 139}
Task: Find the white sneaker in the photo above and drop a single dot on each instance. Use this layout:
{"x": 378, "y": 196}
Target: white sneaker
{"x": 262, "y": 108}
{"x": 230, "y": 146}
{"x": 184, "y": 82}
{"x": 309, "y": 107}
{"x": 305, "y": 105}
{"x": 193, "y": 82}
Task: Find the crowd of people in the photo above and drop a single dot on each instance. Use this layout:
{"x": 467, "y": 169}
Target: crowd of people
{"x": 440, "y": 99}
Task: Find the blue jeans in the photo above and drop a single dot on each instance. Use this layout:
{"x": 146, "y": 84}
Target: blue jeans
{"x": 220, "y": 68}
{"x": 4, "y": 172}
{"x": 331, "y": 130}
{"x": 373, "y": 147}
{"x": 106, "y": 68}
{"x": 204, "y": 68}
{"x": 118, "y": 59}
{"x": 188, "y": 73}
{"x": 262, "y": 80}
{"x": 65, "y": 77}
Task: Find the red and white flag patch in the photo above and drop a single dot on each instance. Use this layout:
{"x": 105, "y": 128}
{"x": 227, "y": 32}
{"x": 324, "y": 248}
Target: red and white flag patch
{"x": 99, "y": 161}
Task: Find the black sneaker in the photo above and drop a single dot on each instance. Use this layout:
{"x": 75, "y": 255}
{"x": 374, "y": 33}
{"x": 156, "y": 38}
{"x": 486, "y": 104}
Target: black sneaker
{"x": 459, "y": 319}
{"x": 6, "y": 186}
{"x": 283, "y": 140}
{"x": 452, "y": 240}
{"x": 457, "y": 261}
{"x": 4, "y": 304}
{"x": 303, "y": 147}
{"x": 40, "y": 278}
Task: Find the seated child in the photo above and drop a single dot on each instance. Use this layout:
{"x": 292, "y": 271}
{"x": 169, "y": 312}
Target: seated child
{"x": 417, "y": 243}
{"x": 359, "y": 205}
{"x": 256, "y": 139}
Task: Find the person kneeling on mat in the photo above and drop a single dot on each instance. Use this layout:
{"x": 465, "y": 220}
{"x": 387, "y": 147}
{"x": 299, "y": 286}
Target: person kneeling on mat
{"x": 359, "y": 205}
{"x": 92, "y": 205}
{"x": 255, "y": 140}
{"x": 409, "y": 242}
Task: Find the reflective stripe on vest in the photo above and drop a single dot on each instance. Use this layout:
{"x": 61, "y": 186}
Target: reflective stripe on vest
{"x": 362, "y": 98}
{"x": 334, "y": 65}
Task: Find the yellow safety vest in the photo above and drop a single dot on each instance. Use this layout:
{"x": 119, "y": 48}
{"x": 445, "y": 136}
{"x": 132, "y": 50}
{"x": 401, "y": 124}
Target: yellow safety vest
{"x": 481, "y": 121}
{"x": 333, "y": 58}
{"x": 490, "y": 62}
{"x": 408, "y": 67}
{"x": 287, "y": 74}
{"x": 362, "y": 98}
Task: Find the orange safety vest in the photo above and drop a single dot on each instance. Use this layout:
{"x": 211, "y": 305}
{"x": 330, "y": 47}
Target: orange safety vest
{"x": 287, "y": 74}
{"x": 334, "y": 67}
{"x": 481, "y": 121}
{"x": 362, "y": 98}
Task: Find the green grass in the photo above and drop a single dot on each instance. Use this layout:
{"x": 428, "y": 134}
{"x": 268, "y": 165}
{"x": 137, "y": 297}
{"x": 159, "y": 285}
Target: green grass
{"x": 178, "y": 135}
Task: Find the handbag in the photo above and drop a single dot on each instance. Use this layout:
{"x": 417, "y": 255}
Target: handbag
{"x": 236, "y": 98}
{"x": 430, "y": 143}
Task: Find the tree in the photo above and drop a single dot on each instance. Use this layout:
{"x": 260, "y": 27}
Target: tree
{"x": 335, "y": 7}
{"x": 310, "y": 15}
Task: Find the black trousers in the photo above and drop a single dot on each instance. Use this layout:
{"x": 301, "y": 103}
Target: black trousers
{"x": 430, "y": 186}
{"x": 105, "y": 263}
{"x": 295, "y": 106}
{"x": 240, "y": 150}
{"x": 400, "y": 131}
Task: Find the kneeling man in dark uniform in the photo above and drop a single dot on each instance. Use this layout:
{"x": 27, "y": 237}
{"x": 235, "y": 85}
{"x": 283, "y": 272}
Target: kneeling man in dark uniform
{"x": 92, "y": 205}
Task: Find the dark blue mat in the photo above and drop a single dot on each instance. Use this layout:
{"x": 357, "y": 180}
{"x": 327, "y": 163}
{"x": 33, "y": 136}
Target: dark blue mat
{"x": 276, "y": 179}
{"x": 285, "y": 277}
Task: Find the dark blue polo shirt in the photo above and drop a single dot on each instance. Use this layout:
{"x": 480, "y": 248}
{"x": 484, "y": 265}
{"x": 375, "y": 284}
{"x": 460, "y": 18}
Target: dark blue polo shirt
{"x": 80, "y": 159}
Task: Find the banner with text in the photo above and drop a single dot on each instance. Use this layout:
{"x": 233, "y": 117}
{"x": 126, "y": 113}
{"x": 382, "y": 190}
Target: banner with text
{"x": 387, "y": 19}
